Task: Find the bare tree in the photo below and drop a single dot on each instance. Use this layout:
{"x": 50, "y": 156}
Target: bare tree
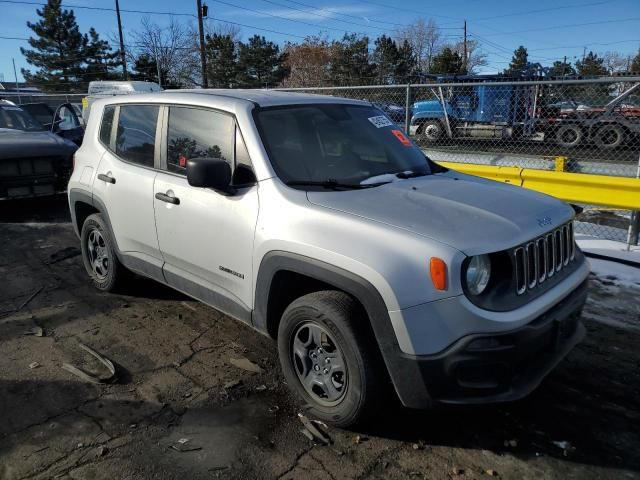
{"x": 425, "y": 39}
{"x": 475, "y": 57}
{"x": 173, "y": 48}
{"x": 223, "y": 29}
{"x": 308, "y": 63}
{"x": 615, "y": 62}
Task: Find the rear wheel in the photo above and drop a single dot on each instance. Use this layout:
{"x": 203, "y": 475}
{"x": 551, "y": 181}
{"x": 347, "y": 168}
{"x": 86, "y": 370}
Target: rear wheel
{"x": 99, "y": 257}
{"x": 328, "y": 357}
{"x": 569, "y": 135}
{"x": 609, "y": 136}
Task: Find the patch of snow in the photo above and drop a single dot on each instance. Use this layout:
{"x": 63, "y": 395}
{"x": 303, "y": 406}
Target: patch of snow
{"x": 619, "y": 274}
{"x": 608, "y": 248}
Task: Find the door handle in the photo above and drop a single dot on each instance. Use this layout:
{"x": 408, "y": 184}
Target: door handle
{"x": 106, "y": 178}
{"x": 163, "y": 197}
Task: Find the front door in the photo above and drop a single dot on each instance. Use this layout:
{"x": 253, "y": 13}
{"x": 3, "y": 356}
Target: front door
{"x": 206, "y": 237}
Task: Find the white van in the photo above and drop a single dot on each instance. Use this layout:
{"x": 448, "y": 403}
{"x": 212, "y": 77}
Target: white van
{"x": 103, "y": 89}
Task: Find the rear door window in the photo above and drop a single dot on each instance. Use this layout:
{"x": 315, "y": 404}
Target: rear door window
{"x": 198, "y": 133}
{"x": 136, "y": 134}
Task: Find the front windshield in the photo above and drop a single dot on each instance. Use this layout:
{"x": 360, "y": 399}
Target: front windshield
{"x": 340, "y": 143}
{"x": 15, "y": 118}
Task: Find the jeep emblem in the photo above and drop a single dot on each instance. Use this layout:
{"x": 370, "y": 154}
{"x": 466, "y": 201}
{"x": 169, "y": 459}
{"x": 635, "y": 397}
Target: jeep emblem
{"x": 544, "y": 221}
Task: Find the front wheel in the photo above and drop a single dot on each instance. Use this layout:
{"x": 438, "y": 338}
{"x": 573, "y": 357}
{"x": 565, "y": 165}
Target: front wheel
{"x": 432, "y": 131}
{"x": 329, "y": 359}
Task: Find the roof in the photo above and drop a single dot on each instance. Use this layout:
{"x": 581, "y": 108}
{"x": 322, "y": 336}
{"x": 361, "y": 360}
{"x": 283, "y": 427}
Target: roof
{"x": 266, "y": 98}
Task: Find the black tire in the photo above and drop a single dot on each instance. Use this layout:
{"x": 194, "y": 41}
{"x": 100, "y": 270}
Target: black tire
{"x": 609, "y": 136}
{"x": 432, "y": 131}
{"x": 569, "y": 136}
{"x": 111, "y": 275}
{"x": 345, "y": 324}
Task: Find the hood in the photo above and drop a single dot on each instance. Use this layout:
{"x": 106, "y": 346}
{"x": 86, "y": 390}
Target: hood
{"x": 21, "y": 144}
{"x": 468, "y": 213}
{"x": 427, "y": 106}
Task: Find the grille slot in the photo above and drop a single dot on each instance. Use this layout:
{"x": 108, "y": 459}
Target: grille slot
{"x": 542, "y": 258}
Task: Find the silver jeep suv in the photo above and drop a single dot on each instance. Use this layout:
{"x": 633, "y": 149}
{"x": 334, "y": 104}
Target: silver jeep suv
{"x": 319, "y": 223}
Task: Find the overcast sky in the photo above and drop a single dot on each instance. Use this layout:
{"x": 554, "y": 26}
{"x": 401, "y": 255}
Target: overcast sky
{"x": 549, "y": 29}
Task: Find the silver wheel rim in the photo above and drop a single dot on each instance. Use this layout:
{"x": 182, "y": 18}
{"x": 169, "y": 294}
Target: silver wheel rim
{"x": 319, "y": 364}
{"x": 98, "y": 254}
{"x": 432, "y": 132}
{"x": 569, "y": 136}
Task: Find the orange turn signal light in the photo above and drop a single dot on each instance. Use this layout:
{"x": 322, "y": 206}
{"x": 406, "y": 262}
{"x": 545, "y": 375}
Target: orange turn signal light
{"x": 438, "y": 273}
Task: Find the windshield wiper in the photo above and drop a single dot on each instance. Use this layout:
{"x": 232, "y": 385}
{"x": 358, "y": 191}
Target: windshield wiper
{"x": 411, "y": 174}
{"x": 331, "y": 184}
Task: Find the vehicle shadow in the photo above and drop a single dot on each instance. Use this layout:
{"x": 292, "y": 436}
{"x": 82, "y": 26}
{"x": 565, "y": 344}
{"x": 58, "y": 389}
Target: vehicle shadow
{"x": 51, "y": 209}
{"x": 587, "y": 411}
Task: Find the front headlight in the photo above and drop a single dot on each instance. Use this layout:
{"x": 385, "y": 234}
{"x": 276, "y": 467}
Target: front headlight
{"x": 478, "y": 274}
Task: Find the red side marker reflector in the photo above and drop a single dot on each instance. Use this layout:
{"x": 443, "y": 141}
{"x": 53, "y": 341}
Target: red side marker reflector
{"x": 401, "y": 137}
{"x": 438, "y": 271}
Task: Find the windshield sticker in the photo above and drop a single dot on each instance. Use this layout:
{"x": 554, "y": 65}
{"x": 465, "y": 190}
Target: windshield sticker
{"x": 380, "y": 121}
{"x": 401, "y": 137}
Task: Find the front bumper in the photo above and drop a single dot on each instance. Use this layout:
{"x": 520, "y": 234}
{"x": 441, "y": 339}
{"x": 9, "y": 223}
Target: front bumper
{"x": 494, "y": 367}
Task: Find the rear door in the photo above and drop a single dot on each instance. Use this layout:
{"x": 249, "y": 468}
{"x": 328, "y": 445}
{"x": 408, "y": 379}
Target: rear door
{"x": 124, "y": 181}
{"x": 206, "y": 238}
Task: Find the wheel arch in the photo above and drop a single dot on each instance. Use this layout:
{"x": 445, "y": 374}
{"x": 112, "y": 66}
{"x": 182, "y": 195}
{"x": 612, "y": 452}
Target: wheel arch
{"x": 280, "y": 270}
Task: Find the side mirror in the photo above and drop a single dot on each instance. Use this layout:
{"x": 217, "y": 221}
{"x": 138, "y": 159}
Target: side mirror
{"x": 210, "y": 173}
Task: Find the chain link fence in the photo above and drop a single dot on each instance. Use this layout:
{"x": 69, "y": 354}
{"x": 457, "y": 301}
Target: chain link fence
{"x": 582, "y": 126}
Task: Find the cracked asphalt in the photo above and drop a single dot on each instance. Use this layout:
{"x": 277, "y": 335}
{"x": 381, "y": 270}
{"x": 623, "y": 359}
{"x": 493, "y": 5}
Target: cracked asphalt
{"x": 175, "y": 382}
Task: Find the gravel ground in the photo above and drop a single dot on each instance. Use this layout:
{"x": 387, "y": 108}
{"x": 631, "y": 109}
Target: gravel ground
{"x": 176, "y": 381}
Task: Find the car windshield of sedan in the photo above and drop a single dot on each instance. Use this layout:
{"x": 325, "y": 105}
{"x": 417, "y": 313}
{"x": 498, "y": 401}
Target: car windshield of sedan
{"x": 14, "y": 118}
{"x": 338, "y": 145}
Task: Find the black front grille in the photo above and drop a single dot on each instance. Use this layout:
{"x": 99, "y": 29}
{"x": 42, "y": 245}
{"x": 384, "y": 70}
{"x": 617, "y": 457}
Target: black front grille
{"x": 543, "y": 257}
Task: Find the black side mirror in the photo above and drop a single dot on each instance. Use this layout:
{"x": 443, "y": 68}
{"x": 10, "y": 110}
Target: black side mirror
{"x": 210, "y": 173}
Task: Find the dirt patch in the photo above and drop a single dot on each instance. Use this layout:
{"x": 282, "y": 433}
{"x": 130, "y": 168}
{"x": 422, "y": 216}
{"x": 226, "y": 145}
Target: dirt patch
{"x": 176, "y": 382}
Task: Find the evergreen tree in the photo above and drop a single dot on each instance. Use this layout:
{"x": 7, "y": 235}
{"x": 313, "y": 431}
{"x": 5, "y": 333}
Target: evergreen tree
{"x": 635, "y": 64}
{"x": 407, "y": 65}
{"x": 350, "y": 63}
{"x": 591, "y": 65}
{"x": 519, "y": 62}
{"x": 260, "y": 63}
{"x": 58, "y": 51}
{"x": 221, "y": 60}
{"x": 561, "y": 69}
{"x": 447, "y": 62}
{"x": 385, "y": 57}
{"x": 145, "y": 68}
{"x": 101, "y": 60}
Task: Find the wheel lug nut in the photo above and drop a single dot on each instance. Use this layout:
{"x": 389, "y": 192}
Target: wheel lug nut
{"x": 326, "y": 360}
{"x": 316, "y": 368}
{"x": 319, "y": 350}
{"x": 325, "y": 371}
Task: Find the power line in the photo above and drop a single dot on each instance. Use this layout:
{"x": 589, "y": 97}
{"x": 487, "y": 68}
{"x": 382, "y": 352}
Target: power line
{"x": 588, "y": 44}
{"x": 333, "y": 12}
{"x": 396, "y": 8}
{"x": 268, "y": 14}
{"x": 573, "y": 25}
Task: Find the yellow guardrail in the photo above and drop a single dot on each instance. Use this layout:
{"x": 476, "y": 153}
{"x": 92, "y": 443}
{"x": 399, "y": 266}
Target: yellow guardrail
{"x": 617, "y": 192}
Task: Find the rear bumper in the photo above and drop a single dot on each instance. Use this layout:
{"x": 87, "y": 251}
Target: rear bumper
{"x": 494, "y": 367}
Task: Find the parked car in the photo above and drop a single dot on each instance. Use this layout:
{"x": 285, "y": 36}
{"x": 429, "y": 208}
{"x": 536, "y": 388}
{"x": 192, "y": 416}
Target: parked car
{"x": 62, "y": 120}
{"x": 33, "y": 161}
{"x": 109, "y": 88}
{"x": 319, "y": 223}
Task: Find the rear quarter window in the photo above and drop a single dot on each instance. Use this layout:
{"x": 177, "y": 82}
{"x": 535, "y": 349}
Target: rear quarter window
{"x": 106, "y": 125}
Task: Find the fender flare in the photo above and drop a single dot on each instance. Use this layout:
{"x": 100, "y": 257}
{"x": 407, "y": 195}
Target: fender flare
{"x": 401, "y": 371}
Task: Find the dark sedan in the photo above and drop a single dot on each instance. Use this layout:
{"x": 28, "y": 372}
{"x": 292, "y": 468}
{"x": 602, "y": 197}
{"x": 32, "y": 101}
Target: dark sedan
{"x": 33, "y": 161}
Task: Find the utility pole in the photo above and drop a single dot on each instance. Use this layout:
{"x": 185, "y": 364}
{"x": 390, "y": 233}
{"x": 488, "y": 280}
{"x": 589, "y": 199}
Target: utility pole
{"x": 203, "y": 58}
{"x": 564, "y": 66}
{"x": 465, "y": 48}
{"x": 122, "y": 54}
{"x": 16, "y": 77}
